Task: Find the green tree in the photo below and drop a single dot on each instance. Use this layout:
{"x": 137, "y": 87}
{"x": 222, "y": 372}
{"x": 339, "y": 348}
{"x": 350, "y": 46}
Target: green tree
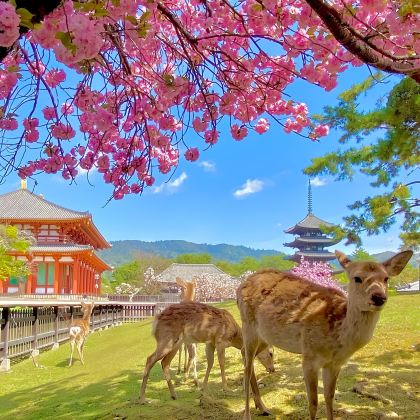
{"x": 12, "y": 239}
{"x": 360, "y": 254}
{"x": 276, "y": 261}
{"x": 130, "y": 273}
{"x": 193, "y": 259}
{"x": 133, "y": 272}
{"x": 391, "y": 159}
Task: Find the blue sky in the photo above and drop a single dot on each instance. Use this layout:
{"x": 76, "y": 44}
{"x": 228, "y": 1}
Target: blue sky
{"x": 244, "y": 193}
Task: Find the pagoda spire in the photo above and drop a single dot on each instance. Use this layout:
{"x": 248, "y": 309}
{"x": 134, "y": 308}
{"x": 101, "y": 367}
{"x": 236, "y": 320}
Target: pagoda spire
{"x": 309, "y": 196}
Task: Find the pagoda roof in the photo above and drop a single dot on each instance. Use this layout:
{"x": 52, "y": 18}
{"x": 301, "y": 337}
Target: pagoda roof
{"x": 310, "y": 222}
{"x": 22, "y": 206}
{"x": 302, "y": 241}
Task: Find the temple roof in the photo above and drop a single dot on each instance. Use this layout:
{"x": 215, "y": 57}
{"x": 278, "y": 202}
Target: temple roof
{"x": 23, "y": 206}
{"x": 310, "y": 222}
{"x": 187, "y": 272}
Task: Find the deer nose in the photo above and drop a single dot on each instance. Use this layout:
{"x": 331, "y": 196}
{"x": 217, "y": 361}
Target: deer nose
{"x": 378, "y": 300}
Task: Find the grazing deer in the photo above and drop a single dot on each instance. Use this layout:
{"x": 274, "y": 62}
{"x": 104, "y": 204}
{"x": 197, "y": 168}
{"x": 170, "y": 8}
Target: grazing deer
{"x": 322, "y": 324}
{"x": 79, "y": 329}
{"x": 192, "y": 322}
{"x": 190, "y": 350}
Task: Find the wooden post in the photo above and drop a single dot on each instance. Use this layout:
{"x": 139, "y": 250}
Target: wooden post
{"x": 5, "y": 363}
{"x": 35, "y": 327}
{"x": 56, "y": 326}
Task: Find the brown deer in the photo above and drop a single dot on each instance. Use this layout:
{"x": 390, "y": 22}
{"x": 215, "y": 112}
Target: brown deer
{"x": 79, "y": 329}
{"x": 322, "y": 324}
{"x": 190, "y": 350}
{"x": 192, "y": 322}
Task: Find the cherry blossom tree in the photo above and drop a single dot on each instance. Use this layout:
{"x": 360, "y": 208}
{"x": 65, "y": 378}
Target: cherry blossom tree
{"x": 317, "y": 272}
{"x": 127, "y": 289}
{"x": 215, "y": 287}
{"x": 127, "y": 86}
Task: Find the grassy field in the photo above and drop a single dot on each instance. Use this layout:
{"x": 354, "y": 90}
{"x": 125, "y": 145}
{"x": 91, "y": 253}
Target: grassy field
{"x": 386, "y": 373}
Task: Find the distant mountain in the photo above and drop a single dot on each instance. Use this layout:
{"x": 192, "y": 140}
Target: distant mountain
{"x": 124, "y": 251}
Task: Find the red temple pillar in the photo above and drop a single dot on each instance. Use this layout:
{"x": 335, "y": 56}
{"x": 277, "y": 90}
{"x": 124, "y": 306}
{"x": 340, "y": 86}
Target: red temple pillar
{"x": 1, "y": 286}
{"x": 76, "y": 276}
{"x": 56, "y": 275}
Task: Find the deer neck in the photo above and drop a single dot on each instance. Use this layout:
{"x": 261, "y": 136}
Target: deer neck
{"x": 357, "y": 328}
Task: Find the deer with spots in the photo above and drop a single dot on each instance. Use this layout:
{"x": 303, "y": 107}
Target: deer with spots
{"x": 79, "y": 330}
{"x": 324, "y": 325}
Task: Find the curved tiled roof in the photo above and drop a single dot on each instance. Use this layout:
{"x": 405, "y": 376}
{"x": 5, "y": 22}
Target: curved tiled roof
{"x": 187, "y": 271}
{"x": 309, "y": 222}
{"x": 23, "y": 204}
{"x": 60, "y": 248}
{"x": 302, "y": 240}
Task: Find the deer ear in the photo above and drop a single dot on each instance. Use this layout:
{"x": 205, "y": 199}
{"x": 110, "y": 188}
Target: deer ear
{"x": 343, "y": 259}
{"x": 396, "y": 264}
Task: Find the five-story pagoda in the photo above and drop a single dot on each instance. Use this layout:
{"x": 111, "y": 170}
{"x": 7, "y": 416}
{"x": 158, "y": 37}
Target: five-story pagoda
{"x": 309, "y": 239}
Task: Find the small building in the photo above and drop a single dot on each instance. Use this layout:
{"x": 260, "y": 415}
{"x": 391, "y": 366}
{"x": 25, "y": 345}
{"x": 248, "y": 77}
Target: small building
{"x": 186, "y": 272}
{"x": 309, "y": 238}
{"x": 62, "y": 257}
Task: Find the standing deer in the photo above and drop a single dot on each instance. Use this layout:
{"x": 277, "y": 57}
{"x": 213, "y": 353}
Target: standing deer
{"x": 79, "y": 329}
{"x": 192, "y": 322}
{"x": 190, "y": 350}
{"x": 322, "y": 324}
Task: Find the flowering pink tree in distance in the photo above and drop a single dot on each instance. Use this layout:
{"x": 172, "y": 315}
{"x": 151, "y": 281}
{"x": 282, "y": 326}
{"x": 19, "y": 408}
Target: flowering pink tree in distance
{"x": 317, "y": 272}
{"x": 116, "y": 85}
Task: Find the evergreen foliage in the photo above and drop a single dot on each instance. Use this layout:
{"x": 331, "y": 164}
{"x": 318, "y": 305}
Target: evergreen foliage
{"x": 391, "y": 159}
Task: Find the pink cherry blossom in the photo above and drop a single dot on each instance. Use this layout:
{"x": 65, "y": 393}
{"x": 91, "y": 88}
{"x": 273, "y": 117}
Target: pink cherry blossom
{"x": 130, "y": 82}
{"x": 9, "y": 24}
{"x": 192, "y": 154}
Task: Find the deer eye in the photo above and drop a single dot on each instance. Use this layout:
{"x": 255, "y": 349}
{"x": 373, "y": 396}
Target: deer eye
{"x": 386, "y": 279}
{"x": 357, "y": 279}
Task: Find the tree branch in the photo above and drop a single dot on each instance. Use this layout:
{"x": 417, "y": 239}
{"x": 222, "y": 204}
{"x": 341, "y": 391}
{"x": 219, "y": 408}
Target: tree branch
{"x": 360, "y": 46}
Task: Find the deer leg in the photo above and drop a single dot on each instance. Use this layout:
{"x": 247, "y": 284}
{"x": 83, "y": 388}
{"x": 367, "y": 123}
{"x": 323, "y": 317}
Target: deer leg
{"x": 329, "y": 376}
{"x": 166, "y": 362}
{"x": 185, "y": 358}
{"x": 210, "y": 361}
{"x": 71, "y": 353}
{"x": 158, "y": 354}
{"x": 79, "y": 346}
{"x": 310, "y": 373}
{"x": 192, "y": 359}
{"x": 221, "y": 357}
{"x": 250, "y": 350}
{"x": 179, "y": 360}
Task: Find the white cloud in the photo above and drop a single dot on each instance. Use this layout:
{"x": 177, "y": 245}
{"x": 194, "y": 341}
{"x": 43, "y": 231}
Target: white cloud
{"x": 318, "y": 182}
{"x": 171, "y": 186}
{"x": 208, "y": 166}
{"x": 251, "y": 186}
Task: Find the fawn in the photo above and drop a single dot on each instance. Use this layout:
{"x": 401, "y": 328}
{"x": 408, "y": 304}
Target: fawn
{"x": 193, "y": 322}
{"x": 322, "y": 324}
{"x": 79, "y": 329}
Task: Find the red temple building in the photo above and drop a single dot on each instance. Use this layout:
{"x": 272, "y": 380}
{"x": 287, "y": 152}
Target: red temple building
{"x": 62, "y": 257}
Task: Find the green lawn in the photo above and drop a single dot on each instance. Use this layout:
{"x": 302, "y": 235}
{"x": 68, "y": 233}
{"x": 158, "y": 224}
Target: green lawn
{"x": 387, "y": 371}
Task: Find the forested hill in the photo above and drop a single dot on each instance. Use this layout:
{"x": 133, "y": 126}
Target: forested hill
{"x": 124, "y": 251}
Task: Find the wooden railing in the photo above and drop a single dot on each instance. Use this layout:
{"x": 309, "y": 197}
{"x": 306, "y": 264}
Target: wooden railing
{"x": 27, "y": 327}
